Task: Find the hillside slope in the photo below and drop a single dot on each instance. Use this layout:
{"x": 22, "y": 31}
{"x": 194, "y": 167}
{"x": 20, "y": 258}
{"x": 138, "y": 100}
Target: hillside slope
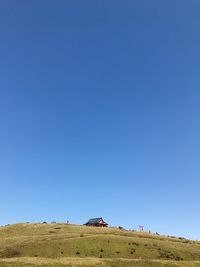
{"x": 62, "y": 240}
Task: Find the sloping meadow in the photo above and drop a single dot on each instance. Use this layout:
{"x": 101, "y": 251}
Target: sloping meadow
{"x": 107, "y": 246}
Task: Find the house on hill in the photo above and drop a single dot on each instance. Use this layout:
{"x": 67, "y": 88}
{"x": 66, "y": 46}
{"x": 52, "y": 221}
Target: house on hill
{"x": 98, "y": 222}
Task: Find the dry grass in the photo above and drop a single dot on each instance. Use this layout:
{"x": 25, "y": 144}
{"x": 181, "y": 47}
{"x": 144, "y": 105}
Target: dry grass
{"x": 72, "y": 262}
{"x": 46, "y": 261}
{"x": 75, "y": 245}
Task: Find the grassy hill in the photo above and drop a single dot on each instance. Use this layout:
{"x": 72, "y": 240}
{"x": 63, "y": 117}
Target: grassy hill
{"x": 75, "y": 245}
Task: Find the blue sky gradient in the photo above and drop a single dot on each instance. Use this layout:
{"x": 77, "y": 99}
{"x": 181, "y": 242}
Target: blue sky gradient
{"x": 99, "y": 113}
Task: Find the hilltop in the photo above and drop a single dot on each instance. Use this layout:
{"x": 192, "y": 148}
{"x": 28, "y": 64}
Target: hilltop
{"x": 76, "y": 244}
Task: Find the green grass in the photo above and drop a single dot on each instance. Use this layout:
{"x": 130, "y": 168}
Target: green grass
{"x": 75, "y": 245}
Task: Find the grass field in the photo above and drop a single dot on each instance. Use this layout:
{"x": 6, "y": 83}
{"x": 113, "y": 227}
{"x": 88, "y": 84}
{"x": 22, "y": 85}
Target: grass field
{"x": 75, "y": 245}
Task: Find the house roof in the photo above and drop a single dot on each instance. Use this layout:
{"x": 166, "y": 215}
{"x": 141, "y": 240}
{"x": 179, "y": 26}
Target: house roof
{"x": 96, "y": 220}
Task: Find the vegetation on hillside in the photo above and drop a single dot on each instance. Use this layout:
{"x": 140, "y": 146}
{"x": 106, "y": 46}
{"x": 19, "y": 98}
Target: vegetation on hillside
{"x": 72, "y": 245}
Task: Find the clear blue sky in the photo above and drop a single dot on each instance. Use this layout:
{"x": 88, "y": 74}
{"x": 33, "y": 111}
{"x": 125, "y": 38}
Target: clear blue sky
{"x": 100, "y": 112}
